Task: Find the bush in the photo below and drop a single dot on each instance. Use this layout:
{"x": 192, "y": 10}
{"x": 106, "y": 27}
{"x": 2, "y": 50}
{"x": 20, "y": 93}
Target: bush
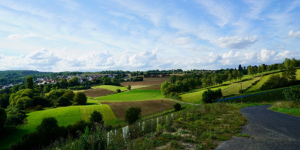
{"x": 3, "y": 117}
{"x": 69, "y": 94}
{"x": 118, "y": 90}
{"x": 38, "y": 107}
{"x": 78, "y": 126}
{"x": 96, "y": 117}
{"x": 64, "y": 101}
{"x": 177, "y": 107}
{"x": 292, "y": 94}
{"x": 210, "y": 96}
{"x": 133, "y": 114}
{"x": 38, "y": 100}
{"x": 80, "y": 98}
{"x": 129, "y": 87}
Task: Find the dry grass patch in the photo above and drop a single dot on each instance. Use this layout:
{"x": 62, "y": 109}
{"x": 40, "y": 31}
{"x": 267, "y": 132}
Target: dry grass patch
{"x": 146, "y": 82}
{"x": 97, "y": 92}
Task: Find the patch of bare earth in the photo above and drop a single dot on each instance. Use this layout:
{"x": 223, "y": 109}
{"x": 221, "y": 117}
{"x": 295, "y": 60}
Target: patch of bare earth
{"x": 146, "y": 82}
{"x": 97, "y": 92}
{"x": 148, "y": 107}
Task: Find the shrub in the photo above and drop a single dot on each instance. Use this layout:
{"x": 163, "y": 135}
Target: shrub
{"x": 69, "y": 94}
{"x": 129, "y": 87}
{"x": 210, "y": 96}
{"x": 96, "y": 117}
{"x": 275, "y": 81}
{"x": 3, "y": 117}
{"x": 118, "y": 90}
{"x": 38, "y": 107}
{"x": 80, "y": 98}
{"x": 64, "y": 101}
{"x": 78, "y": 126}
{"x": 177, "y": 107}
{"x": 133, "y": 114}
{"x": 292, "y": 94}
{"x": 38, "y": 100}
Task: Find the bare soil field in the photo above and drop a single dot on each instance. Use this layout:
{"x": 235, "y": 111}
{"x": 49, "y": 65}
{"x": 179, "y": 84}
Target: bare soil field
{"x": 156, "y": 87}
{"x": 148, "y": 107}
{"x": 145, "y": 83}
{"x": 97, "y": 92}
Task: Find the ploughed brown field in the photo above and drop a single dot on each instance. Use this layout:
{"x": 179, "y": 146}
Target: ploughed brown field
{"x": 148, "y": 107}
{"x": 146, "y": 82}
{"x": 97, "y": 92}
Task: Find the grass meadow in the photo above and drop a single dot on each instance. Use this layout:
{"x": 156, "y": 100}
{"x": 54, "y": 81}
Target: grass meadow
{"x": 235, "y": 87}
{"x": 111, "y": 87}
{"x": 64, "y": 115}
{"x": 133, "y": 95}
{"x": 257, "y": 86}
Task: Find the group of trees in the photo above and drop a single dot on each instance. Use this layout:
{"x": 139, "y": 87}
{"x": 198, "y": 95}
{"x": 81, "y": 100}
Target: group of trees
{"x": 49, "y": 131}
{"x": 210, "y": 96}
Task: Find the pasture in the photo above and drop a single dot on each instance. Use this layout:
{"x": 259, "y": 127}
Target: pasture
{"x": 235, "y": 87}
{"x": 64, "y": 115}
{"x": 110, "y": 87}
{"x": 145, "y": 83}
{"x": 133, "y": 95}
{"x": 148, "y": 107}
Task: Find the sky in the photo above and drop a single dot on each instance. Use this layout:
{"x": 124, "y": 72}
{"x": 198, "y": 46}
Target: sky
{"x": 95, "y": 35}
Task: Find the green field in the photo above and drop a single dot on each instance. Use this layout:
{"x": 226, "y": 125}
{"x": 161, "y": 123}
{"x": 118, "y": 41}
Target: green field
{"x": 196, "y": 97}
{"x": 133, "y": 95}
{"x": 64, "y": 115}
{"x": 260, "y": 83}
{"x": 235, "y": 87}
{"x": 298, "y": 74}
{"x": 111, "y": 87}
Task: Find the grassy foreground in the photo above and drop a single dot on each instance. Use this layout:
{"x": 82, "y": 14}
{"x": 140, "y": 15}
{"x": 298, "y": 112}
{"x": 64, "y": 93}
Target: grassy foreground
{"x": 133, "y": 95}
{"x": 111, "y": 87}
{"x": 64, "y": 115}
{"x": 197, "y": 127}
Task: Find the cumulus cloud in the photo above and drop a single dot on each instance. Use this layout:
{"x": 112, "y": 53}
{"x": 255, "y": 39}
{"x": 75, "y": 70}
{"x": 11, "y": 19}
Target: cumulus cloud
{"x": 236, "y": 42}
{"x": 1, "y": 56}
{"x": 18, "y": 36}
{"x": 293, "y": 34}
{"x": 182, "y": 41}
{"x": 266, "y": 54}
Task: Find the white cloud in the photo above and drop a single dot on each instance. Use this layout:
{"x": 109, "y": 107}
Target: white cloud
{"x": 182, "y": 41}
{"x": 1, "y": 56}
{"x": 18, "y": 36}
{"x": 294, "y": 34}
{"x": 266, "y": 54}
{"x": 236, "y": 42}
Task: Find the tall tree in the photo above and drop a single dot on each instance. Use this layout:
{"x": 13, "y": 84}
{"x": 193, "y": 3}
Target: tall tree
{"x": 229, "y": 77}
{"x": 29, "y": 83}
{"x": 240, "y": 75}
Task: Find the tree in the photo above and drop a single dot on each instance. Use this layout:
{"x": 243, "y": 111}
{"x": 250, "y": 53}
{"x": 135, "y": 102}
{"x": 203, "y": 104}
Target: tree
{"x": 69, "y": 94}
{"x": 240, "y": 75}
{"x": 172, "y": 79}
{"x": 96, "y": 117}
{"x": 290, "y": 74}
{"x": 63, "y": 101}
{"x": 80, "y": 98}
{"x": 229, "y": 77}
{"x": 234, "y": 74}
{"x": 177, "y": 107}
{"x": 74, "y": 81}
{"x": 210, "y": 96}
{"x": 118, "y": 90}
{"x": 287, "y": 63}
{"x": 133, "y": 114}
{"x": 259, "y": 69}
{"x": 63, "y": 83}
{"x": 269, "y": 68}
{"x": 250, "y": 70}
{"x": 29, "y": 83}
{"x": 129, "y": 87}
{"x": 3, "y": 117}
{"x": 15, "y": 88}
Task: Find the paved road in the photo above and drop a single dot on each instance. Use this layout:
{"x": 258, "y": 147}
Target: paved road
{"x": 269, "y": 130}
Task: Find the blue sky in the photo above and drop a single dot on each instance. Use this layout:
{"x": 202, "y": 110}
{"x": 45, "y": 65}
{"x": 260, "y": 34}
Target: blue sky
{"x": 93, "y": 35}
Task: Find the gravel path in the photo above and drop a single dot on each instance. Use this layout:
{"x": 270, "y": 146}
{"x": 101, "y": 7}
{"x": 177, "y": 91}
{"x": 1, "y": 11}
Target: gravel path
{"x": 269, "y": 130}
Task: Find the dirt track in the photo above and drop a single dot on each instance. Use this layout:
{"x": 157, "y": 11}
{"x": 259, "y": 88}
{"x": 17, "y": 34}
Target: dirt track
{"x": 268, "y": 130}
{"x": 148, "y": 107}
{"x": 97, "y": 92}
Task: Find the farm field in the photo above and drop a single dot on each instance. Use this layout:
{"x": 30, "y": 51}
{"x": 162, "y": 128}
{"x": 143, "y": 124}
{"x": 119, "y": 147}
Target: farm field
{"x": 145, "y": 83}
{"x": 97, "y": 92}
{"x": 155, "y": 87}
{"x": 133, "y": 95}
{"x": 111, "y": 87}
{"x": 196, "y": 97}
{"x": 298, "y": 74}
{"x": 235, "y": 87}
{"x": 64, "y": 115}
{"x": 260, "y": 83}
{"x": 148, "y": 107}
